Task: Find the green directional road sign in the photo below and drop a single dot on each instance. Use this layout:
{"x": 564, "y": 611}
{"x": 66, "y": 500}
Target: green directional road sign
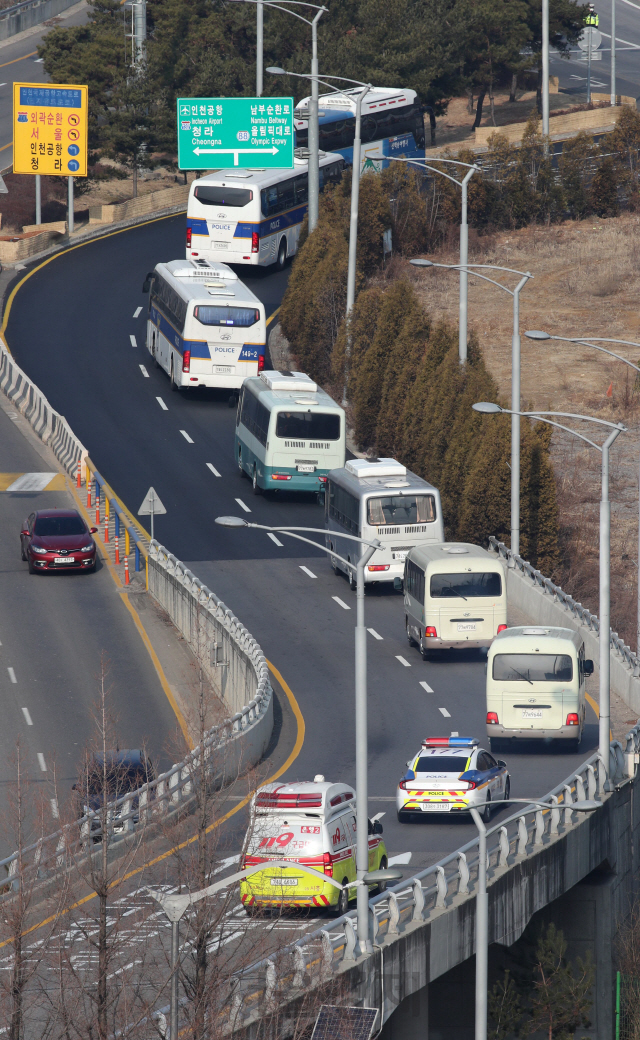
{"x": 220, "y": 133}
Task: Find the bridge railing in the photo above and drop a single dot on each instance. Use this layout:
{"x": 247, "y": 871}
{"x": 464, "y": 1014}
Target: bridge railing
{"x": 315, "y": 957}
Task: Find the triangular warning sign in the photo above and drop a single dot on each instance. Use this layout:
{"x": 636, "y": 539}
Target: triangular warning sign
{"x": 3, "y": 188}
{"x": 151, "y": 504}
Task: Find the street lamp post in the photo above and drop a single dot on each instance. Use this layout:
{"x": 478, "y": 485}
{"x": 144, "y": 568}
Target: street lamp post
{"x": 592, "y": 341}
{"x": 515, "y": 379}
{"x": 604, "y": 718}
{"x": 362, "y": 807}
{"x": 545, "y": 68}
{"x": 482, "y": 907}
{"x": 175, "y": 906}
{"x": 464, "y": 239}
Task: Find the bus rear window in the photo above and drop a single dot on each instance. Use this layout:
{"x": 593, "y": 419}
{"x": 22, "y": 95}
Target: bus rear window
{"x": 465, "y": 586}
{"x": 238, "y": 316}
{"x": 401, "y": 509}
{"x": 532, "y": 668}
{"x": 314, "y": 426}
{"x": 217, "y": 195}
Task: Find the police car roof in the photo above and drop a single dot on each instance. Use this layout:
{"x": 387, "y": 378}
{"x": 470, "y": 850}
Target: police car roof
{"x": 320, "y": 797}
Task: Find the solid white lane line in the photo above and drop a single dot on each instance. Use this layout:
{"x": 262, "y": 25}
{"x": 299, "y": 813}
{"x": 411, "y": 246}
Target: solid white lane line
{"x": 25, "y": 712}
{"x": 243, "y": 505}
{"x": 213, "y": 469}
{"x": 402, "y": 661}
{"x": 55, "y": 812}
{"x": 425, "y": 686}
{"x": 444, "y": 712}
{"x": 12, "y": 675}
{"x": 38, "y": 61}
{"x": 372, "y": 632}
{"x": 341, "y": 603}
{"x": 186, "y": 436}
{"x": 133, "y": 341}
{"x": 41, "y": 762}
{"x": 162, "y": 404}
{"x": 144, "y": 371}
{"x": 274, "y": 539}
{"x": 307, "y": 571}
{"x": 138, "y": 310}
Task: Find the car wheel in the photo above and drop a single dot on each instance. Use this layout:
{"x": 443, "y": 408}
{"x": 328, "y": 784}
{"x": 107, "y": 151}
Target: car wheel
{"x": 382, "y": 885}
{"x": 282, "y": 255}
{"x": 424, "y": 653}
{"x": 496, "y": 744}
{"x": 240, "y": 466}
{"x": 23, "y": 555}
{"x": 353, "y": 580}
{"x": 342, "y": 906}
{"x": 486, "y": 812}
{"x": 411, "y": 641}
{"x": 507, "y": 789}
{"x": 257, "y": 490}
{"x": 32, "y": 569}
{"x": 574, "y": 745}
{"x": 174, "y": 385}
{"x": 334, "y": 565}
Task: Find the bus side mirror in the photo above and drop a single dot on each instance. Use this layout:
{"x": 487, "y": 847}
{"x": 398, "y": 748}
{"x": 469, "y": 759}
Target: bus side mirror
{"x": 588, "y": 667}
{"x": 146, "y": 285}
{"x": 320, "y": 497}
{"x": 397, "y": 584}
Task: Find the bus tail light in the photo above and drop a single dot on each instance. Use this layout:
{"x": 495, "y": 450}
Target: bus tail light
{"x": 572, "y": 719}
{"x": 327, "y": 861}
{"x": 255, "y": 242}
{"x": 492, "y": 718}
{"x": 501, "y": 628}
{"x": 281, "y": 476}
{"x": 188, "y": 238}
{"x": 379, "y": 567}
{"x": 186, "y": 361}
{"x": 260, "y": 362}
{"x": 430, "y": 632}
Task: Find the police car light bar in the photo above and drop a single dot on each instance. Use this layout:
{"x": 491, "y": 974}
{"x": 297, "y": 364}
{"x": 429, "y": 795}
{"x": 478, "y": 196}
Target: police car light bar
{"x": 450, "y": 742}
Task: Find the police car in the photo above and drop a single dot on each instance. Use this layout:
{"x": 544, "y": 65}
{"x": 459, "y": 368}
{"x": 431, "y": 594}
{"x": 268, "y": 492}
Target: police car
{"x": 448, "y": 775}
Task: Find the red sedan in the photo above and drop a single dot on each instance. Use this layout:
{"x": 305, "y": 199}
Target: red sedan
{"x": 57, "y": 540}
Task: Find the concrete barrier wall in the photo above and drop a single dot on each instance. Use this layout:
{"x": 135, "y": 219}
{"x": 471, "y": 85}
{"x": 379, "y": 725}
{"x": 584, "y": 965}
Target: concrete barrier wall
{"x": 155, "y": 200}
{"x": 600, "y": 120}
{"x": 29, "y": 13}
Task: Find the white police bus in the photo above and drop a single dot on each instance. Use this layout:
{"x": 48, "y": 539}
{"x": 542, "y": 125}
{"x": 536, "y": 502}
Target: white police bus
{"x": 252, "y": 216}
{"x": 205, "y": 326}
{"x": 289, "y": 433}
{"x": 392, "y": 124}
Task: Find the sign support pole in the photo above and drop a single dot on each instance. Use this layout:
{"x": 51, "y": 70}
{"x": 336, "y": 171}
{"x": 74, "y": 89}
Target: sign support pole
{"x": 70, "y": 204}
{"x": 38, "y": 200}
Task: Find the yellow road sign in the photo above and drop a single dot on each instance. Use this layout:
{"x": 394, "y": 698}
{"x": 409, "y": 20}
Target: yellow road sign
{"x": 50, "y": 129}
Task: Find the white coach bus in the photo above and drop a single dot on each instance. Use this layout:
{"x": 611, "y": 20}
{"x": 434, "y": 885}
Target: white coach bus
{"x": 252, "y": 216}
{"x": 379, "y": 498}
{"x": 205, "y": 326}
{"x": 289, "y": 433}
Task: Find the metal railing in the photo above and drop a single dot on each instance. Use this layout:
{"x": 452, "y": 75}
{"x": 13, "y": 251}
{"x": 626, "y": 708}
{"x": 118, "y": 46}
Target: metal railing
{"x": 576, "y": 609}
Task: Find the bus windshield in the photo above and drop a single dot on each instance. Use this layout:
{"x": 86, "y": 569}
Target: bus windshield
{"x": 465, "y": 586}
{"x": 533, "y": 668}
{"x": 321, "y": 426}
{"x": 242, "y": 316}
{"x": 402, "y": 509}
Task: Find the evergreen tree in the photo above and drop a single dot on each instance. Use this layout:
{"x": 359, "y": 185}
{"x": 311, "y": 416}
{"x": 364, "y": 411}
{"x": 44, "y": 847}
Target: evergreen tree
{"x": 545, "y": 520}
{"x": 364, "y": 319}
{"x": 561, "y": 999}
{"x": 417, "y": 412}
{"x": 572, "y": 165}
{"x": 400, "y": 374}
{"x": 604, "y": 189}
{"x": 625, "y": 140}
{"x": 505, "y": 1010}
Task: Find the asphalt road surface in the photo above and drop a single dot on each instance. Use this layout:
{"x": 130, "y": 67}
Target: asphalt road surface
{"x": 70, "y": 328}
{"x": 573, "y": 72}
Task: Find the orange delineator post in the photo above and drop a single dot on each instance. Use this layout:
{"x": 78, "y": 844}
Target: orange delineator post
{"x": 106, "y": 529}
{"x": 117, "y": 541}
{"x": 79, "y": 476}
{"x": 88, "y": 489}
{"x": 126, "y": 570}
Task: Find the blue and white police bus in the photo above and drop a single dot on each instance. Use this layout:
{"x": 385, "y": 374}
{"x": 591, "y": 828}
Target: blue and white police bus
{"x": 205, "y": 326}
{"x": 252, "y": 216}
{"x": 392, "y": 124}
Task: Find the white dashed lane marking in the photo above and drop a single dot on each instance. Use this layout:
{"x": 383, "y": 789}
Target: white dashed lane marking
{"x": 243, "y": 505}
{"x": 186, "y": 436}
{"x": 402, "y": 661}
{"x": 425, "y": 686}
{"x": 213, "y": 469}
{"x": 41, "y": 762}
{"x": 133, "y": 341}
{"x": 162, "y": 404}
{"x": 372, "y": 632}
{"x": 137, "y": 312}
{"x": 341, "y": 603}
{"x": 144, "y": 371}
{"x": 444, "y": 712}
{"x": 307, "y": 571}
{"x": 274, "y": 539}
{"x": 25, "y": 712}
{"x": 12, "y": 675}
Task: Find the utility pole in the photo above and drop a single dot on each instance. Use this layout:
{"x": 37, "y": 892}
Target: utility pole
{"x": 545, "y": 67}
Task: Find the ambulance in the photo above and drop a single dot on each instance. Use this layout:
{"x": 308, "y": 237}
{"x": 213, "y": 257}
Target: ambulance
{"x": 312, "y": 823}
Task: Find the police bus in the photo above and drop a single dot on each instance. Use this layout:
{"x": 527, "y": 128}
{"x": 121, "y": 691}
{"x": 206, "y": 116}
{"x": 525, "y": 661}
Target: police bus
{"x": 392, "y": 124}
{"x": 205, "y": 326}
{"x": 253, "y": 216}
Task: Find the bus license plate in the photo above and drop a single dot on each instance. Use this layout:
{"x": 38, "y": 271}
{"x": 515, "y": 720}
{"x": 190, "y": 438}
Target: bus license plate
{"x": 528, "y": 714}
{"x": 399, "y": 555}
{"x": 64, "y": 559}
{"x": 284, "y": 881}
{"x": 224, "y": 370}
{"x": 220, "y": 245}
{"x": 466, "y": 628}
{"x": 436, "y": 807}
{"x": 306, "y": 469}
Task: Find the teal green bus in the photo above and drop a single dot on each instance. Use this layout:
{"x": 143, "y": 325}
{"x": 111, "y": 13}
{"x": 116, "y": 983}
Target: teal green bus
{"x": 289, "y": 433}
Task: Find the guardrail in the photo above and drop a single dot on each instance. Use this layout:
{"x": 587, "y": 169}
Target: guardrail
{"x": 24, "y": 15}
{"x": 576, "y": 609}
{"x": 314, "y": 958}
{"x": 102, "y": 498}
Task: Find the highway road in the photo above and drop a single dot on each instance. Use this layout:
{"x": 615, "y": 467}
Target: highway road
{"x": 573, "y": 73}
{"x": 70, "y": 327}
{"x": 53, "y": 631}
